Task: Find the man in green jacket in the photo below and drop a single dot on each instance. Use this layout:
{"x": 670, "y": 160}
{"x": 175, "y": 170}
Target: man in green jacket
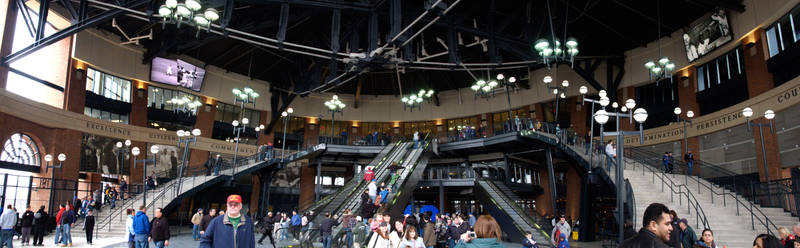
{"x": 688, "y": 237}
{"x": 393, "y": 180}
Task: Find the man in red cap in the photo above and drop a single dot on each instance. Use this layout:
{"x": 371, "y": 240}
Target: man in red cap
{"x": 230, "y": 230}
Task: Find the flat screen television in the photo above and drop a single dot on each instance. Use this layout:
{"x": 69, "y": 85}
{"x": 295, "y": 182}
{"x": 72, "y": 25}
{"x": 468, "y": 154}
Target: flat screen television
{"x": 707, "y": 34}
{"x": 177, "y": 72}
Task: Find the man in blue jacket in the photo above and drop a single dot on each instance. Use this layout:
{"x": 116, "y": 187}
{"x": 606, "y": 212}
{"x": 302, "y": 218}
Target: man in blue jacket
{"x": 297, "y": 221}
{"x": 230, "y": 230}
{"x": 141, "y": 228}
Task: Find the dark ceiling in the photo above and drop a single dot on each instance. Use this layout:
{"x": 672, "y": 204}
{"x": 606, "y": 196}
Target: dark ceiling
{"x": 604, "y": 28}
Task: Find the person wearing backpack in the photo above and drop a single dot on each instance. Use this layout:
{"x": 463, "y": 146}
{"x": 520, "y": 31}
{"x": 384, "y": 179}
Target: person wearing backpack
{"x": 39, "y": 226}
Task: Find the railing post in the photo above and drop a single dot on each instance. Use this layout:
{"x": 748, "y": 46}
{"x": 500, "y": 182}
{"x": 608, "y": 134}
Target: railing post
{"x": 752, "y": 222}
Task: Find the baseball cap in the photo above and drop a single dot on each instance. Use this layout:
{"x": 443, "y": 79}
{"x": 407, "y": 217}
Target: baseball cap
{"x": 235, "y": 198}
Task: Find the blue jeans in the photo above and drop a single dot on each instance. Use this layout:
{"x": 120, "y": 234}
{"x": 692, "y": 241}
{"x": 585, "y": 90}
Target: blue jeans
{"x": 7, "y": 237}
{"x": 216, "y": 170}
{"x": 666, "y": 167}
{"x": 141, "y": 240}
{"x": 416, "y": 144}
{"x": 159, "y": 244}
{"x": 283, "y": 234}
{"x": 349, "y": 237}
{"x": 690, "y": 164}
{"x": 58, "y": 235}
{"x": 196, "y": 232}
{"x": 451, "y": 242}
{"x": 326, "y": 241}
{"x": 67, "y": 237}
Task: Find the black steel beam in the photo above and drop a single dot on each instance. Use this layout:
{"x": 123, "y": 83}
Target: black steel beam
{"x": 588, "y": 76}
{"x": 69, "y": 31}
{"x": 26, "y": 16}
{"x": 372, "y": 32}
{"x": 318, "y": 3}
{"x": 395, "y": 18}
{"x": 226, "y": 18}
{"x": 44, "y": 7}
{"x": 73, "y": 14}
{"x": 283, "y": 23}
{"x": 724, "y": 4}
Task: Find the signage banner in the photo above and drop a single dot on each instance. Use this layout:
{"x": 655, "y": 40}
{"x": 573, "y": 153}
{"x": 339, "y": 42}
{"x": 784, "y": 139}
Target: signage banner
{"x": 49, "y": 116}
{"x": 776, "y": 99}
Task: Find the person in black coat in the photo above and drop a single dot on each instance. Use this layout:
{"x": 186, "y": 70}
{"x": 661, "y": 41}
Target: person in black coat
{"x": 39, "y": 225}
{"x": 27, "y": 224}
{"x": 675, "y": 235}
{"x": 326, "y": 229}
{"x": 266, "y": 229}
{"x": 159, "y": 229}
{"x": 88, "y": 225}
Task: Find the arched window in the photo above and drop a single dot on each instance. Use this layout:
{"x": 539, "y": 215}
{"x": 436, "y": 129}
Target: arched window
{"x": 21, "y": 149}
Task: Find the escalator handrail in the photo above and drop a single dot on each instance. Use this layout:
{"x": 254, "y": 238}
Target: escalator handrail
{"x": 527, "y": 219}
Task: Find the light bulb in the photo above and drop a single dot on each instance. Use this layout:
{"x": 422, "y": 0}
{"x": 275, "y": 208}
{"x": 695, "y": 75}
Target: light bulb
{"x": 677, "y": 110}
{"x": 640, "y": 115}
{"x": 290, "y": 110}
{"x": 547, "y": 79}
{"x": 196, "y": 132}
{"x": 601, "y": 117}
{"x": 500, "y": 76}
{"x": 630, "y": 103}
{"x": 769, "y": 114}
{"x": 689, "y": 114}
{"x": 154, "y": 149}
{"x": 119, "y": 144}
{"x": 747, "y": 112}
{"x": 583, "y": 90}
{"x": 565, "y": 83}
{"x": 135, "y": 151}
{"x": 602, "y": 93}
{"x": 48, "y": 158}
{"x": 62, "y": 157}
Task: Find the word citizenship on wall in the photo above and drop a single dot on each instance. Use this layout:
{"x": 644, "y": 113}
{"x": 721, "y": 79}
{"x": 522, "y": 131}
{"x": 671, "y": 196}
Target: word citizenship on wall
{"x": 49, "y": 116}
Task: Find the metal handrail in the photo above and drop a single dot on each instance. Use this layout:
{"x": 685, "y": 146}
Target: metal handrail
{"x": 690, "y": 198}
{"x": 766, "y": 221}
{"x": 528, "y": 220}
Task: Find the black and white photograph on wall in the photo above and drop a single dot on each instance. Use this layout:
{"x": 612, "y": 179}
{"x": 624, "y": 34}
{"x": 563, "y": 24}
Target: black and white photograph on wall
{"x": 707, "y": 34}
{"x": 177, "y": 72}
{"x": 168, "y": 161}
{"x": 288, "y": 177}
{"x": 99, "y": 154}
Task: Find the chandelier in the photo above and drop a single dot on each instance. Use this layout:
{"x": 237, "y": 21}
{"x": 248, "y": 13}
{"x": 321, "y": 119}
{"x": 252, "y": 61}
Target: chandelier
{"x": 188, "y": 12}
{"x": 185, "y": 105}
{"x": 486, "y": 89}
{"x": 556, "y": 52}
{"x": 415, "y": 100}
{"x": 664, "y": 67}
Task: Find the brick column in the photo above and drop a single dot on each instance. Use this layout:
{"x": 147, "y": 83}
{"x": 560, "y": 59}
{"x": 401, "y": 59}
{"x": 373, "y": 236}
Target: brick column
{"x": 138, "y": 117}
{"x": 254, "y": 196}
{"x": 311, "y": 133}
{"x": 687, "y": 100}
{"x": 544, "y": 205}
{"x": 265, "y": 138}
{"x": 75, "y": 89}
{"x": 771, "y": 147}
{"x": 539, "y": 111}
{"x": 578, "y": 113}
{"x": 204, "y": 122}
{"x": 759, "y": 80}
{"x": 307, "y": 175}
{"x": 574, "y": 184}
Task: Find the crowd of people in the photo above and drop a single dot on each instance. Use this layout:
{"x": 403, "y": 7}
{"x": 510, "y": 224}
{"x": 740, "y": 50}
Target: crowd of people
{"x": 663, "y": 228}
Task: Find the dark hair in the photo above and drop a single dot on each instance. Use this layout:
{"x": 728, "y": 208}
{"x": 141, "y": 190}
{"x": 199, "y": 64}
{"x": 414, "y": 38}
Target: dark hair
{"x": 129, "y": 211}
{"x": 653, "y": 213}
{"x": 704, "y": 232}
{"x": 768, "y": 241}
{"x": 528, "y": 233}
{"x": 141, "y": 207}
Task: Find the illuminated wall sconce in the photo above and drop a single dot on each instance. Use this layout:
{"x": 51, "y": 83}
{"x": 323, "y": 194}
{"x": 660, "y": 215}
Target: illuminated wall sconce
{"x": 355, "y": 123}
{"x": 396, "y": 124}
{"x": 439, "y": 122}
{"x": 312, "y": 120}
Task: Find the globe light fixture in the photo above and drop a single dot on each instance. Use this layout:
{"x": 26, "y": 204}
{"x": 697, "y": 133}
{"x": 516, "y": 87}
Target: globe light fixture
{"x": 189, "y": 11}
{"x": 690, "y": 114}
{"x": 769, "y": 115}
{"x": 601, "y": 117}
{"x": 552, "y": 51}
{"x": 640, "y": 115}
{"x": 604, "y": 101}
{"x": 415, "y": 100}
{"x": 677, "y": 110}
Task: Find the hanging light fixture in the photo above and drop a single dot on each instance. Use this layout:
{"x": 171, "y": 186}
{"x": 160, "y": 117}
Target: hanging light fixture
{"x": 551, "y": 50}
{"x": 415, "y": 100}
{"x": 486, "y": 89}
{"x": 189, "y": 12}
{"x": 663, "y": 67}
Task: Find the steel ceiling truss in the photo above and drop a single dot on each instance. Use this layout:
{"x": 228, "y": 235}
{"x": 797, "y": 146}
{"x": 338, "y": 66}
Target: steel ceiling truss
{"x": 81, "y": 24}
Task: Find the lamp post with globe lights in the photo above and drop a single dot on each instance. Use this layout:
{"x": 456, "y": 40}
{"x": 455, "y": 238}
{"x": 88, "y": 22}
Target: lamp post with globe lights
{"x": 154, "y": 149}
{"x": 602, "y": 93}
{"x": 689, "y": 115}
{"x": 186, "y": 138}
{"x": 122, "y": 153}
{"x": 601, "y": 117}
{"x": 48, "y": 159}
{"x": 769, "y": 115}
{"x": 237, "y": 130}
{"x": 334, "y": 106}
{"x": 286, "y": 116}
{"x": 559, "y": 91}
{"x": 415, "y": 100}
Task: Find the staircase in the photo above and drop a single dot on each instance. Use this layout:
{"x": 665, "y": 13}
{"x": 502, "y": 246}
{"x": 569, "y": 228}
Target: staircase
{"x": 111, "y": 222}
{"x": 720, "y": 208}
{"x": 502, "y": 205}
{"x": 735, "y": 220}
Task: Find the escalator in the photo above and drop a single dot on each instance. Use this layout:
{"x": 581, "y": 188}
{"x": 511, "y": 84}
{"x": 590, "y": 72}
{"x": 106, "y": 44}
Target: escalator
{"x": 385, "y": 154}
{"x": 508, "y": 214}
{"x": 357, "y": 185}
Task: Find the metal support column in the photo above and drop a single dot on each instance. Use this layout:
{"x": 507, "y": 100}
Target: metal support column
{"x": 441, "y": 196}
{"x": 318, "y": 181}
{"x": 552, "y": 176}
{"x": 507, "y": 167}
